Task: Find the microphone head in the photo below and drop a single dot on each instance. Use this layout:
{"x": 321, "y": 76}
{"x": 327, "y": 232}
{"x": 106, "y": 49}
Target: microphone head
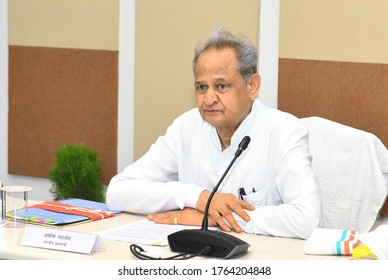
{"x": 243, "y": 145}
{"x": 244, "y": 142}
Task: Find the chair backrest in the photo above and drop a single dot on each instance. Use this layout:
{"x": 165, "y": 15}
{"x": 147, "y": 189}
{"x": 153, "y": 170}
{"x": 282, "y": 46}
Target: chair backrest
{"x": 352, "y": 169}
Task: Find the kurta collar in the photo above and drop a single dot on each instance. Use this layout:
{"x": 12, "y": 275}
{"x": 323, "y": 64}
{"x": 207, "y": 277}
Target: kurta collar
{"x": 258, "y": 112}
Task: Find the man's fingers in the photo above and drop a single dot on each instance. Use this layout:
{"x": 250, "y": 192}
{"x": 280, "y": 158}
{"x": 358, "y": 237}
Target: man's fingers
{"x": 223, "y": 206}
{"x": 228, "y": 216}
{"x": 219, "y": 220}
{"x": 241, "y": 212}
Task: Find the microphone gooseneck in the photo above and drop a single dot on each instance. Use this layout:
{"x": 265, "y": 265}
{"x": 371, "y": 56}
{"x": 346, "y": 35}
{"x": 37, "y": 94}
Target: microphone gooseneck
{"x": 211, "y": 243}
{"x": 241, "y": 147}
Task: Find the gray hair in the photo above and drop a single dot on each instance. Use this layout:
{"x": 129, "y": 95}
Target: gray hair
{"x": 246, "y": 52}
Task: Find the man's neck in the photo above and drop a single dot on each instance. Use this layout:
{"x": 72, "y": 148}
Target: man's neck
{"x": 225, "y": 138}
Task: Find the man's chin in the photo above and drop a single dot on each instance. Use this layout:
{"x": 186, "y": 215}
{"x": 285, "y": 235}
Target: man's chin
{"x": 212, "y": 120}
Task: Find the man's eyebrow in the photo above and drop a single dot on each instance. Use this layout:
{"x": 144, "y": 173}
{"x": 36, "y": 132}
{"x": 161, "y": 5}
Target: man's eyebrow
{"x": 217, "y": 79}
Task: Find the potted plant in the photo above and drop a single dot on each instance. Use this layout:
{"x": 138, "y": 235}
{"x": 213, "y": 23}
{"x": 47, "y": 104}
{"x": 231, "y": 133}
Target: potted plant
{"x": 77, "y": 173}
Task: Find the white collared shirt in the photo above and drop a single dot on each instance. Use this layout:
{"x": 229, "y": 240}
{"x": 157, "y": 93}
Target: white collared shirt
{"x": 275, "y": 171}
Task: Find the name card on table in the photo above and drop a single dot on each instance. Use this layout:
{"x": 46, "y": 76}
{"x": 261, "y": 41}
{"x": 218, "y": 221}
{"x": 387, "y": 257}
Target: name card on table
{"x": 55, "y": 239}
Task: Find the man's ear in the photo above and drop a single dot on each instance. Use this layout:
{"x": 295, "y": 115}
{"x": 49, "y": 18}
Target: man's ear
{"x": 254, "y": 83}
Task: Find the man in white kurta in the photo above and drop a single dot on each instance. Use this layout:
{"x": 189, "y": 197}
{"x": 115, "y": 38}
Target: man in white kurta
{"x": 172, "y": 181}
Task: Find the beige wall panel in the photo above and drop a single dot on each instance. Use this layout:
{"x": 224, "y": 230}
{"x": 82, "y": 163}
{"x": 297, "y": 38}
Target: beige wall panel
{"x": 166, "y": 33}
{"x": 77, "y": 24}
{"x": 347, "y": 30}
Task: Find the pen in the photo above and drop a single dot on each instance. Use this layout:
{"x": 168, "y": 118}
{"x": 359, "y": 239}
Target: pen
{"x": 241, "y": 192}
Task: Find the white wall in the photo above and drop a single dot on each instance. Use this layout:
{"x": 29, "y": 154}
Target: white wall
{"x": 3, "y": 88}
{"x": 126, "y": 117}
{"x": 269, "y": 51}
{"x": 40, "y": 187}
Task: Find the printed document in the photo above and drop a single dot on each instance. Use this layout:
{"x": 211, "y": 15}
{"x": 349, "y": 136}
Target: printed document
{"x": 144, "y": 232}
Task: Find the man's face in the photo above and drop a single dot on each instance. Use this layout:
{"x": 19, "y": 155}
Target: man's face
{"x": 222, "y": 98}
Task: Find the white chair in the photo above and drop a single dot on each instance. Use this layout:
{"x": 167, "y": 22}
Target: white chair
{"x": 352, "y": 168}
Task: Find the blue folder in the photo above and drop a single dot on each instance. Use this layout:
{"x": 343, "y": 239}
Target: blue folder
{"x": 47, "y": 217}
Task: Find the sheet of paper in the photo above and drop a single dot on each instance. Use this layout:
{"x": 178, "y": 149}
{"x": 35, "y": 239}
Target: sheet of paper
{"x": 143, "y": 232}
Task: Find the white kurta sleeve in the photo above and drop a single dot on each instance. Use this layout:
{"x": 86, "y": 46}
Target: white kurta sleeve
{"x": 151, "y": 184}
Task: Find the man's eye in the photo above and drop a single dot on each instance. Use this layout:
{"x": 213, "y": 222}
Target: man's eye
{"x": 201, "y": 88}
{"x": 222, "y": 87}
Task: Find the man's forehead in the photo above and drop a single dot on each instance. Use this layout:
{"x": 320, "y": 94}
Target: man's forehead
{"x": 217, "y": 61}
{"x": 218, "y": 54}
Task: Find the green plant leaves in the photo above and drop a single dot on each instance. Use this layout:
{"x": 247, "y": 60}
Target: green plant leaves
{"x": 77, "y": 173}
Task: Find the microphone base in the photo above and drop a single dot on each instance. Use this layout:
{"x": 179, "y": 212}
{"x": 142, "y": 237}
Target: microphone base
{"x": 192, "y": 241}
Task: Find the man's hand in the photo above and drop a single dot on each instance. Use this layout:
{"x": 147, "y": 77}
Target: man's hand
{"x": 187, "y": 216}
{"x": 223, "y": 205}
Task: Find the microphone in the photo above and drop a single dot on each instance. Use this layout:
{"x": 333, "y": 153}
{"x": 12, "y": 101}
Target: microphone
{"x": 218, "y": 244}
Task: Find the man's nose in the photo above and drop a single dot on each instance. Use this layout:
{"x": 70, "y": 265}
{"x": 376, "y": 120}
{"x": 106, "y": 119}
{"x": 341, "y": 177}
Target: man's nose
{"x": 211, "y": 97}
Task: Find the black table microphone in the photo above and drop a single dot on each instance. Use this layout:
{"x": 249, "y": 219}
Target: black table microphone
{"x": 222, "y": 245}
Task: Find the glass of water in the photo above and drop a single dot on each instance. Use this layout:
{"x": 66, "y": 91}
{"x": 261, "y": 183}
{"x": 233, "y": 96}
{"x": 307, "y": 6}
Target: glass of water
{"x": 14, "y": 205}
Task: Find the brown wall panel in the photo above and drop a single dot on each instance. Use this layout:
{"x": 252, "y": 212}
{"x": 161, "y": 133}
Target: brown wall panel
{"x": 61, "y": 96}
{"x": 355, "y": 94}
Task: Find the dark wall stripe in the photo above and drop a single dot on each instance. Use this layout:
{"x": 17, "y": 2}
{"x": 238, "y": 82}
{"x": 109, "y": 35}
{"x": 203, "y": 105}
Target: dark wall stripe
{"x": 355, "y": 94}
{"x": 61, "y": 96}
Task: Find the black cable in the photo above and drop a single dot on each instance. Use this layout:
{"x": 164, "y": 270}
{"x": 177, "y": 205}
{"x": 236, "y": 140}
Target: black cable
{"x": 137, "y": 252}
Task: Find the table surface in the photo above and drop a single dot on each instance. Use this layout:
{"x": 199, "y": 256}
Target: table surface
{"x": 261, "y": 247}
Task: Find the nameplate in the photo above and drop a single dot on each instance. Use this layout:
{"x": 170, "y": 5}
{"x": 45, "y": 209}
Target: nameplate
{"x": 62, "y": 240}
